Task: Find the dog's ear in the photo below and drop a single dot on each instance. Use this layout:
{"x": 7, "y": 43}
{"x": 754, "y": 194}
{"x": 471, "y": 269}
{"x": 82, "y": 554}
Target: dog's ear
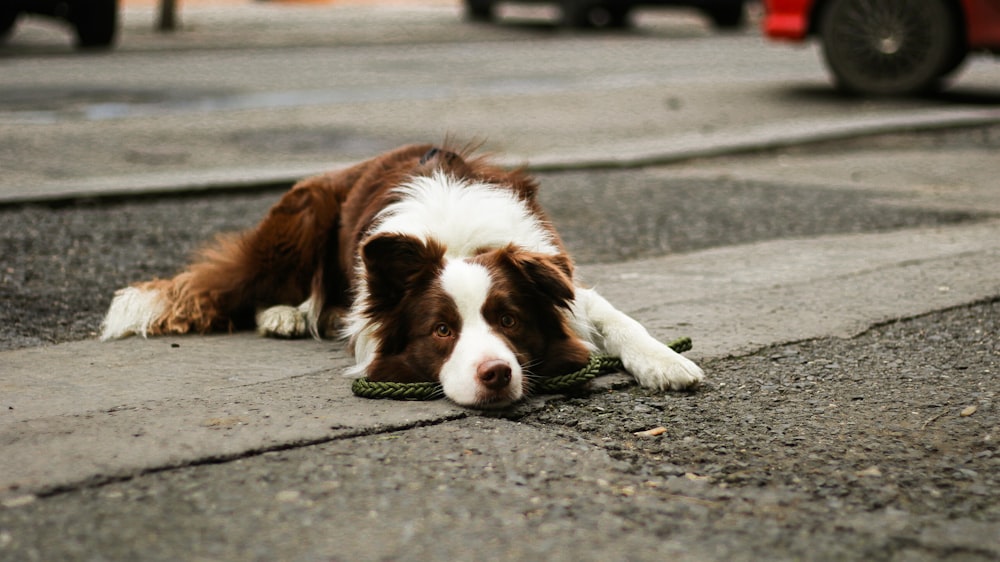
{"x": 395, "y": 263}
{"x": 550, "y": 275}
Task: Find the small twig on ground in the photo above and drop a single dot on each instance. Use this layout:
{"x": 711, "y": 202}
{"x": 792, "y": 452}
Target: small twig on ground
{"x": 932, "y": 419}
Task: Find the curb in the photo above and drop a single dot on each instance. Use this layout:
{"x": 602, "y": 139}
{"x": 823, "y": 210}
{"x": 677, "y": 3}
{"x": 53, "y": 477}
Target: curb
{"x": 624, "y": 156}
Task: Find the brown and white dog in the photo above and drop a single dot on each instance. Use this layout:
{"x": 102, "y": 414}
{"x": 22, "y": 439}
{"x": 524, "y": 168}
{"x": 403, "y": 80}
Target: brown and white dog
{"x": 435, "y": 265}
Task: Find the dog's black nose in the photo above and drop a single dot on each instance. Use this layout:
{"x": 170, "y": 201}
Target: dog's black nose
{"x": 494, "y": 374}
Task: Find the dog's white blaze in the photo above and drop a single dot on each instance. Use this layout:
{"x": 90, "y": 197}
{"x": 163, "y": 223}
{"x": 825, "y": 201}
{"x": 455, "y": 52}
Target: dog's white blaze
{"x": 132, "y": 311}
{"x": 469, "y": 285}
{"x": 464, "y": 216}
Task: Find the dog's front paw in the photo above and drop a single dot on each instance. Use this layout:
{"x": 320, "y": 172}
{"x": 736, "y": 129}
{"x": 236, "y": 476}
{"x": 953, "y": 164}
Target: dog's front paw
{"x": 282, "y": 322}
{"x": 655, "y": 365}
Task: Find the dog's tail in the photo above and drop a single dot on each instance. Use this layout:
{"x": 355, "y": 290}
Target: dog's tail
{"x": 281, "y": 261}
{"x": 215, "y": 293}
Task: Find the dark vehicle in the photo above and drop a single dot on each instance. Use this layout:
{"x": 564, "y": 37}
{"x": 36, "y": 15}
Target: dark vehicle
{"x": 615, "y": 13}
{"x": 889, "y": 47}
{"x": 95, "y": 22}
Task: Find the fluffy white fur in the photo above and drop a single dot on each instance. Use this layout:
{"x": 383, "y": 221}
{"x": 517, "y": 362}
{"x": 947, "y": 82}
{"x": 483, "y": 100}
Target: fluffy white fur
{"x": 132, "y": 312}
{"x": 463, "y": 216}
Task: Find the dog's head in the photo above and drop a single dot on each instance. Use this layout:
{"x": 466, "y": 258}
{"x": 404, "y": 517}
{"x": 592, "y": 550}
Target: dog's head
{"x": 484, "y": 327}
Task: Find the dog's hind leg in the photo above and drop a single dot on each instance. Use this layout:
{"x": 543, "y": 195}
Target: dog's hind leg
{"x": 280, "y": 262}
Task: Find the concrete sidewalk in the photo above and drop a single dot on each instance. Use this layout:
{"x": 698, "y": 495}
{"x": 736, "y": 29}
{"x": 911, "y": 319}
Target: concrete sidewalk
{"x": 88, "y": 412}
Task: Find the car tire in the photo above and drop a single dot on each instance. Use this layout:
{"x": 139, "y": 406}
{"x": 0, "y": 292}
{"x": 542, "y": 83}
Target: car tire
{"x": 586, "y": 14}
{"x": 890, "y": 47}
{"x": 729, "y": 16}
{"x": 618, "y": 14}
{"x": 479, "y": 10}
{"x": 95, "y": 22}
{"x": 576, "y": 14}
{"x": 8, "y": 19}
{"x": 958, "y": 59}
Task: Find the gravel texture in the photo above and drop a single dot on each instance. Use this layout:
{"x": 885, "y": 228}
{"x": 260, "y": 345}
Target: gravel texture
{"x": 882, "y": 447}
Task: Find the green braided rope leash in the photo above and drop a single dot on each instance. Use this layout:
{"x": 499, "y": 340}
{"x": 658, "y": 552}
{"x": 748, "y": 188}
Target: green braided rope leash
{"x": 598, "y": 365}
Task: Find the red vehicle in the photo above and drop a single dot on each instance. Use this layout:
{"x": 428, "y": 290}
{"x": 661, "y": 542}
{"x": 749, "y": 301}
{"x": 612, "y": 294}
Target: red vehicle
{"x": 889, "y": 47}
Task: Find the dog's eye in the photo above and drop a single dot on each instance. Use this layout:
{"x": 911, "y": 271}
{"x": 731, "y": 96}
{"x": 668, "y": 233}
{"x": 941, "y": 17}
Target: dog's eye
{"x": 442, "y": 330}
{"x": 508, "y": 320}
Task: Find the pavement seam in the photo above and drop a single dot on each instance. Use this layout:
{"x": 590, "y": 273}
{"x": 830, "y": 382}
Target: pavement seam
{"x": 874, "y": 326}
{"x": 99, "y": 481}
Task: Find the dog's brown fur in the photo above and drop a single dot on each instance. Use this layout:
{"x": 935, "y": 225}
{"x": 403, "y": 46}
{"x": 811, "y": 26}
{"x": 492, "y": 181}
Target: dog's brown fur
{"x": 299, "y": 249}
